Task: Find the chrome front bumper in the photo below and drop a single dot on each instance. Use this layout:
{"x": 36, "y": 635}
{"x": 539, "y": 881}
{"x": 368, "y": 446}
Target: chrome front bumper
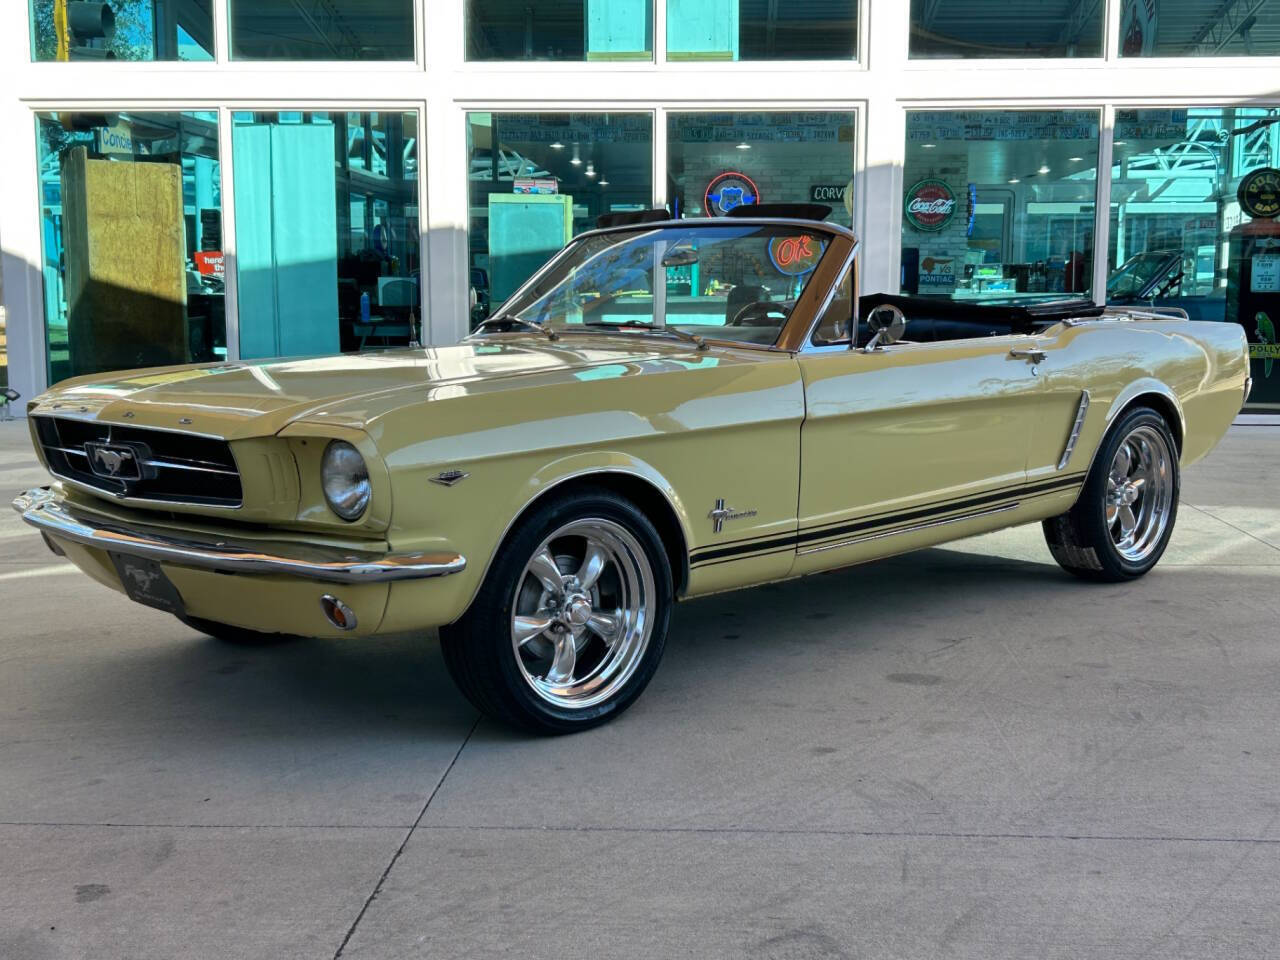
{"x": 44, "y": 510}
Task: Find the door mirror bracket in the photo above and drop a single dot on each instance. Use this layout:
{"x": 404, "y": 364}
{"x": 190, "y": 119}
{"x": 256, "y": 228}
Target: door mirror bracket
{"x": 887, "y": 324}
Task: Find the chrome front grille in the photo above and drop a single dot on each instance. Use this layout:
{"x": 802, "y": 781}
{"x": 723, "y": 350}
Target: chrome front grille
{"x": 140, "y": 463}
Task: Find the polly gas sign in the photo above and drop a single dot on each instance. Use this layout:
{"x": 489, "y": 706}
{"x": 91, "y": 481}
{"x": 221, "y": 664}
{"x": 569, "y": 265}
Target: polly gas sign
{"x": 930, "y": 205}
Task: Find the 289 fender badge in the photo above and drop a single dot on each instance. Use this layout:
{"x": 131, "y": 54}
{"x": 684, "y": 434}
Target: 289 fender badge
{"x": 721, "y": 513}
{"x": 450, "y": 477}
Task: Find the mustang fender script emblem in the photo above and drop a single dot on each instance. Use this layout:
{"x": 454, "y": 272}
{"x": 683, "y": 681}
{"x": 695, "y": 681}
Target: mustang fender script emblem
{"x": 721, "y": 513}
{"x": 113, "y": 461}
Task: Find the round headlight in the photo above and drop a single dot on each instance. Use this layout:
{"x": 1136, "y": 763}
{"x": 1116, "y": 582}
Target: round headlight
{"x": 346, "y": 480}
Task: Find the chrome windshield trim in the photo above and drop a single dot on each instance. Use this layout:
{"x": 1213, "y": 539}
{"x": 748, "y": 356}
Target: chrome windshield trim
{"x": 831, "y": 229}
{"x": 45, "y": 510}
{"x": 808, "y": 346}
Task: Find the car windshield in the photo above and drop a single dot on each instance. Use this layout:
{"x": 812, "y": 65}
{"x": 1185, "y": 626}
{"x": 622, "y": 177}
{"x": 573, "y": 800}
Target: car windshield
{"x": 724, "y": 281}
{"x": 1139, "y": 271}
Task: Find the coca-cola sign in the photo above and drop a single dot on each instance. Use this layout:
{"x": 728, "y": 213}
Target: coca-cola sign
{"x": 930, "y": 205}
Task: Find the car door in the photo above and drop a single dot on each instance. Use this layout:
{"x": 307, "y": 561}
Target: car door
{"x": 912, "y": 443}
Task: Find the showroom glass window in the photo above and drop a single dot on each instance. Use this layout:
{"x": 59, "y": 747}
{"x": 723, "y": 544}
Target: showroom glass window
{"x": 327, "y": 231}
{"x": 762, "y": 30}
{"x": 596, "y": 30}
{"x": 131, "y": 230}
{"x": 121, "y": 30}
{"x": 537, "y": 179}
{"x": 716, "y": 161}
{"x": 999, "y": 205}
{"x": 1001, "y": 29}
{"x": 1195, "y": 222}
{"x": 330, "y": 30}
{"x": 1199, "y": 28}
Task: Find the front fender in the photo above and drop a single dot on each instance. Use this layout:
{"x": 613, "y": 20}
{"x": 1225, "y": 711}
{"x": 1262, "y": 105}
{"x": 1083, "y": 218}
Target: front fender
{"x": 492, "y": 502}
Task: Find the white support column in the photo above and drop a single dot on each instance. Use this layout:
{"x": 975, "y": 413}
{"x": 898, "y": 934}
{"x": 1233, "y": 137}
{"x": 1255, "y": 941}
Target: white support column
{"x": 1113, "y": 40}
{"x": 221, "y": 31}
{"x": 880, "y": 181}
{"x": 660, "y": 198}
{"x": 20, "y": 215}
{"x": 231, "y": 289}
{"x": 443, "y": 176}
{"x": 21, "y": 255}
{"x": 1102, "y": 214}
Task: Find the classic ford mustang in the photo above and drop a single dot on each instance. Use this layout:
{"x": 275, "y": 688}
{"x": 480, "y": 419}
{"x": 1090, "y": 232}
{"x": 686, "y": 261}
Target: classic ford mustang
{"x": 665, "y": 410}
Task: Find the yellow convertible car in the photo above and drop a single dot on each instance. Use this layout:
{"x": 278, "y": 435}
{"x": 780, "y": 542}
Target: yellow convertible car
{"x": 665, "y": 410}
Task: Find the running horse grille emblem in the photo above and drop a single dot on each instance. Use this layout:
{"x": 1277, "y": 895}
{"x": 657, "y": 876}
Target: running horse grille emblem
{"x": 113, "y": 461}
{"x": 721, "y": 513}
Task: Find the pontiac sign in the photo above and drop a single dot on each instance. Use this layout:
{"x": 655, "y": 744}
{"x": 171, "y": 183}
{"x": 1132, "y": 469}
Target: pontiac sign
{"x": 930, "y": 205}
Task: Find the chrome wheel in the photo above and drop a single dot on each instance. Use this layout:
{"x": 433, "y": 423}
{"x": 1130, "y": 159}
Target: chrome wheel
{"x": 1140, "y": 493}
{"x": 581, "y": 617}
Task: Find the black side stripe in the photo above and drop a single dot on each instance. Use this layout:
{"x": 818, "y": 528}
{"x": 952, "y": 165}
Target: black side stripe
{"x": 768, "y": 539}
{"x": 818, "y": 534}
{"x": 1013, "y": 490}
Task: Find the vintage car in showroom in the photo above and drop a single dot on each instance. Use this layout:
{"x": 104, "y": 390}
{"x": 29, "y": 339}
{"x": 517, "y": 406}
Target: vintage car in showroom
{"x": 666, "y": 409}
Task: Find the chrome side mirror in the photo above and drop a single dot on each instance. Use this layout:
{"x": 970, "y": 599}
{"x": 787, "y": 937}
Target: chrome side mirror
{"x": 887, "y": 324}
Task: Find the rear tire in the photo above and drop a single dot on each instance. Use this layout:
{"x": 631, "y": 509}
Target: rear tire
{"x": 570, "y": 623}
{"x": 237, "y": 636}
{"x": 1122, "y": 521}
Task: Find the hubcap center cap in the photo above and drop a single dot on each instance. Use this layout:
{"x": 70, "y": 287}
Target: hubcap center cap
{"x": 577, "y": 611}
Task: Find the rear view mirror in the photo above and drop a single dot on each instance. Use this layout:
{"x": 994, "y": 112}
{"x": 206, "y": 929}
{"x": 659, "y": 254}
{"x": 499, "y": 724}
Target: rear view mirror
{"x": 887, "y": 324}
{"x": 680, "y": 257}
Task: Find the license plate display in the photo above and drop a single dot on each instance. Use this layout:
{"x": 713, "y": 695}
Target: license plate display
{"x": 146, "y": 583}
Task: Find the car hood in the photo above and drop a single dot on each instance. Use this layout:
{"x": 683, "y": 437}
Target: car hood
{"x": 259, "y": 398}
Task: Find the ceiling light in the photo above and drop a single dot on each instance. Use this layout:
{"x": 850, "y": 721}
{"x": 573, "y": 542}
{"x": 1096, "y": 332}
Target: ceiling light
{"x": 557, "y": 145}
{"x": 591, "y": 169}
{"x": 928, "y": 146}
{"x": 1077, "y": 159}
{"x": 604, "y": 183}
{"x": 1044, "y": 168}
{"x": 1122, "y": 143}
{"x": 1015, "y": 180}
{"x": 577, "y": 159}
{"x": 744, "y": 146}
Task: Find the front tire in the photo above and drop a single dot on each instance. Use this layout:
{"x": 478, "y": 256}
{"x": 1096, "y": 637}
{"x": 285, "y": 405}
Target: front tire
{"x": 1122, "y": 521}
{"x": 570, "y": 623}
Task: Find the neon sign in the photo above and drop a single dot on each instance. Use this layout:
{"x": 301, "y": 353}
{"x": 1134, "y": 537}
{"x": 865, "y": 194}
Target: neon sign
{"x": 729, "y": 190}
{"x": 796, "y": 255}
{"x": 930, "y": 205}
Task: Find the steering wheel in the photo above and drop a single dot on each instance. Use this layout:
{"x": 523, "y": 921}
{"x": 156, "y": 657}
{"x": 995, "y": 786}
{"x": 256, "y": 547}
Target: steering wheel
{"x": 758, "y": 309}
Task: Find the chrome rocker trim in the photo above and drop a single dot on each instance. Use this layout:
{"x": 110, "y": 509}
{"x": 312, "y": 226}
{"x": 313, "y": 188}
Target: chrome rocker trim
{"x": 42, "y": 508}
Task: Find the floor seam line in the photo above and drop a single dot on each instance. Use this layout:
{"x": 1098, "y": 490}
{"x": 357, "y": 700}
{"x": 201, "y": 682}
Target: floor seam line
{"x": 888, "y": 834}
{"x": 405, "y": 842}
{"x": 88, "y": 824}
{"x": 1214, "y": 516}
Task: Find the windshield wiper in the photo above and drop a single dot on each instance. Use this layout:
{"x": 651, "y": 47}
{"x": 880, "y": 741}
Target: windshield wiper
{"x": 698, "y": 342}
{"x": 516, "y": 318}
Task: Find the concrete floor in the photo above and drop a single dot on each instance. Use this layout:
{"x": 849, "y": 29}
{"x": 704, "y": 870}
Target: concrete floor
{"x": 959, "y": 753}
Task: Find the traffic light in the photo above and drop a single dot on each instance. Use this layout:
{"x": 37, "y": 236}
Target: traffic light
{"x": 84, "y": 29}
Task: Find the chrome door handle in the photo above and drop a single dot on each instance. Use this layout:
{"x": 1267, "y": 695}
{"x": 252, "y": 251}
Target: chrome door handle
{"x": 1034, "y": 354}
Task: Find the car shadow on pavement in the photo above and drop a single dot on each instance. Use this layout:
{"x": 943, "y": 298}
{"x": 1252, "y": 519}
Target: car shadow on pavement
{"x": 397, "y": 687}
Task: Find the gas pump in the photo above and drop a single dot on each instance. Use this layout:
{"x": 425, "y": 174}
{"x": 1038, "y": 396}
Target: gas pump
{"x": 1253, "y": 282}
